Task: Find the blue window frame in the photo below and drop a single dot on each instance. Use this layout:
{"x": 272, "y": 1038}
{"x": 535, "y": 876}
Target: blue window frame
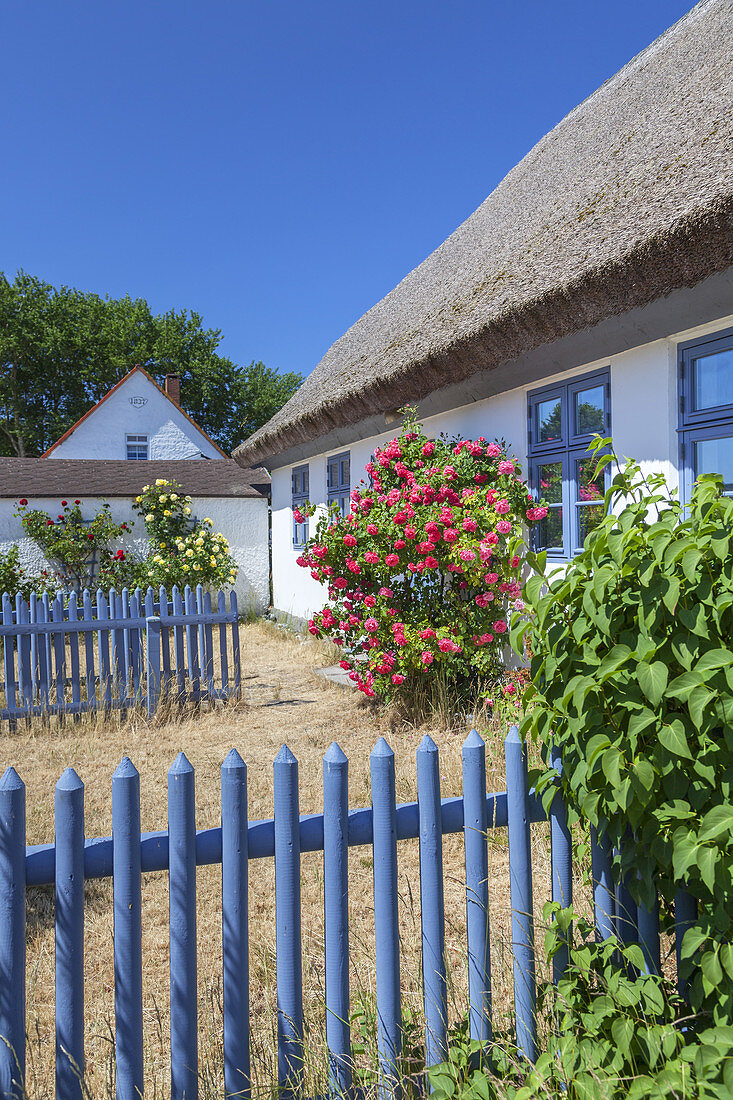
{"x": 338, "y": 482}
{"x": 563, "y": 419}
{"x": 136, "y": 447}
{"x": 300, "y": 479}
{"x": 706, "y": 409}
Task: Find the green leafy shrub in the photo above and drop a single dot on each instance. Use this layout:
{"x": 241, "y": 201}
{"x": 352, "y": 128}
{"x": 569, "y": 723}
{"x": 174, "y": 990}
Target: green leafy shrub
{"x": 73, "y": 544}
{"x": 13, "y": 577}
{"x": 423, "y": 572}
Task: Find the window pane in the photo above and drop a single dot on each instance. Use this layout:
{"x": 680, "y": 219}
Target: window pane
{"x": 549, "y": 426}
{"x": 589, "y": 516}
{"x": 549, "y": 482}
{"x": 548, "y": 532}
{"x": 713, "y": 379}
{"x": 590, "y": 485}
{"x": 590, "y": 411}
{"x": 715, "y": 456}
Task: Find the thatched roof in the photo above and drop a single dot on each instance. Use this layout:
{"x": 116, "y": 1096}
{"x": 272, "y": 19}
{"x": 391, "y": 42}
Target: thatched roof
{"x": 629, "y": 198}
{"x": 113, "y": 477}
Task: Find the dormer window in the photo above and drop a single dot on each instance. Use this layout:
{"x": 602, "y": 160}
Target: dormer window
{"x": 137, "y": 447}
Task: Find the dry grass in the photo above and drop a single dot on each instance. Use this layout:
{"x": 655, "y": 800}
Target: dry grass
{"x": 283, "y": 700}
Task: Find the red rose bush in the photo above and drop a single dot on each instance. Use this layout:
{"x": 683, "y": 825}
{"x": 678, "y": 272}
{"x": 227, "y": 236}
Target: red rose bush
{"x": 424, "y": 572}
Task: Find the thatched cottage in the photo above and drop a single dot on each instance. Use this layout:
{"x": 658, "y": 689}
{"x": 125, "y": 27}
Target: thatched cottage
{"x": 592, "y": 290}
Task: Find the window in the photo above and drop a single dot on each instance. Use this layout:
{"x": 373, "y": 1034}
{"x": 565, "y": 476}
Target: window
{"x": 706, "y": 409}
{"x": 562, "y": 422}
{"x": 300, "y": 479}
{"x": 338, "y": 481}
{"x": 137, "y": 446}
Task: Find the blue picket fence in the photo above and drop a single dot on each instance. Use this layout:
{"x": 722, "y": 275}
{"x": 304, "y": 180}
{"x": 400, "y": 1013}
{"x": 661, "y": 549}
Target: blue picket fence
{"x": 116, "y": 651}
{"x": 129, "y": 853}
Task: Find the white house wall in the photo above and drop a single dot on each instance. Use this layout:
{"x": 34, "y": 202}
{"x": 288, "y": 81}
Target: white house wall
{"x": 103, "y": 434}
{"x": 243, "y": 521}
{"x": 643, "y": 425}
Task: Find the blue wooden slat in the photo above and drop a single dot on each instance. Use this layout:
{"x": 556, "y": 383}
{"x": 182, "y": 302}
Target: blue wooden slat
{"x": 223, "y": 654}
{"x": 33, "y": 617}
{"x": 136, "y": 644}
{"x": 649, "y": 937}
{"x": 59, "y": 657}
{"x": 604, "y": 903}
{"x": 520, "y": 882}
{"x": 105, "y": 671}
{"x": 153, "y": 664}
{"x": 69, "y": 919}
{"x": 336, "y": 917}
{"x": 289, "y": 963}
{"x": 432, "y": 909}
{"x": 114, "y": 602}
{"x": 25, "y": 671}
{"x": 201, "y": 638}
{"x": 12, "y": 936}
{"x": 178, "y": 642}
{"x": 561, "y": 863}
{"x": 166, "y": 679}
{"x": 208, "y": 668}
{"x": 192, "y": 646}
{"x": 477, "y": 886}
{"x": 125, "y": 613}
{"x": 88, "y": 612}
{"x": 9, "y": 662}
{"x": 237, "y": 667}
{"x": 386, "y": 924}
{"x": 182, "y": 891}
{"x": 74, "y": 655}
{"x": 127, "y": 930}
{"x": 235, "y": 928}
{"x": 48, "y": 646}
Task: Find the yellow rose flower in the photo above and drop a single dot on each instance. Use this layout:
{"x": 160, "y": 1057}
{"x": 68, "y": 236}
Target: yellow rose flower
{"x": 213, "y": 561}
{"x": 196, "y": 565}
{"x": 187, "y": 511}
{"x": 149, "y": 517}
{"x": 174, "y": 496}
{"x": 162, "y": 498}
{"x": 162, "y": 546}
{"x": 145, "y": 488}
{"x": 208, "y": 521}
{"x": 189, "y": 553}
{"x": 161, "y": 481}
{"x": 167, "y": 512}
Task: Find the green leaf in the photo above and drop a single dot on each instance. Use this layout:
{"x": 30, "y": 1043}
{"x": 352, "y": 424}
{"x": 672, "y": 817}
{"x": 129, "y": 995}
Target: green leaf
{"x": 653, "y": 680}
{"x": 673, "y": 738}
{"x": 715, "y": 822}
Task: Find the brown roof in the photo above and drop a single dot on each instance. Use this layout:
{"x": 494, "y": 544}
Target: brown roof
{"x": 78, "y": 477}
{"x": 629, "y": 198}
{"x": 135, "y": 370}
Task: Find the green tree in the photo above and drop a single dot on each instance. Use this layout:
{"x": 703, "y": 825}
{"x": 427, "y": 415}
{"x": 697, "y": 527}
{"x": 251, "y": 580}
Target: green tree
{"x": 61, "y": 349}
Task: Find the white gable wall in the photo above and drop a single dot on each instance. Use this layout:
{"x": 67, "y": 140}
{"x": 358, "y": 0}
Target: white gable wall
{"x": 643, "y": 425}
{"x": 103, "y": 433}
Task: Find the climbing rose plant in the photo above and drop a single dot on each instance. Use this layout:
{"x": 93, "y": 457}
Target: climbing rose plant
{"x": 423, "y": 572}
{"x": 72, "y": 543}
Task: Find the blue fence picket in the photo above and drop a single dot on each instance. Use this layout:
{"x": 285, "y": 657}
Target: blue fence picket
{"x": 59, "y": 657}
{"x": 73, "y": 615}
{"x": 182, "y": 904}
{"x": 9, "y": 664}
{"x": 336, "y": 916}
{"x": 12, "y": 936}
{"x": 223, "y": 655}
{"x": 235, "y": 928}
{"x": 48, "y": 645}
{"x": 432, "y": 911}
{"x": 649, "y": 937}
{"x": 126, "y": 876}
{"x": 103, "y": 637}
{"x": 209, "y": 648}
{"x": 152, "y": 644}
{"x": 123, "y": 612}
{"x": 178, "y": 635}
{"x": 289, "y": 963}
{"x": 25, "y": 670}
{"x": 561, "y": 863}
{"x": 165, "y": 639}
{"x": 237, "y": 668}
{"x": 69, "y": 921}
{"x": 685, "y": 915}
{"x": 386, "y": 924}
{"x": 192, "y": 646}
{"x": 136, "y": 644}
{"x": 520, "y": 882}
{"x": 604, "y": 903}
{"x": 475, "y": 828}
{"x": 201, "y": 636}
{"x": 88, "y": 613}
{"x": 33, "y": 618}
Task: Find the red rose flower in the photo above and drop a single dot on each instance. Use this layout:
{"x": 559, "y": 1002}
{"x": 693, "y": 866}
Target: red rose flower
{"x": 64, "y": 503}
{"x": 77, "y": 502}
{"x": 22, "y": 502}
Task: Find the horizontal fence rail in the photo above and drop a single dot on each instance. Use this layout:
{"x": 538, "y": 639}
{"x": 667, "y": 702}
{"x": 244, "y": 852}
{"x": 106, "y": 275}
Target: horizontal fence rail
{"x": 116, "y": 651}
{"x": 180, "y": 849}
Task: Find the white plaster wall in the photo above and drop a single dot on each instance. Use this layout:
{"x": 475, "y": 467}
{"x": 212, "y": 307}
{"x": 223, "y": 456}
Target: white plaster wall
{"x": 243, "y": 521}
{"x": 643, "y": 426}
{"x": 103, "y": 434}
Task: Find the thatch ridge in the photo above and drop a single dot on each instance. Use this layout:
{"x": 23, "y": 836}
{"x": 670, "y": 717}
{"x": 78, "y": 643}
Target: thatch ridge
{"x": 629, "y": 198}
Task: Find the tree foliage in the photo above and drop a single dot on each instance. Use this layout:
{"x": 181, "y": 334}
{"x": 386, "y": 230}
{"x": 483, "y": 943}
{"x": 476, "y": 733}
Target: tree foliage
{"x": 62, "y": 349}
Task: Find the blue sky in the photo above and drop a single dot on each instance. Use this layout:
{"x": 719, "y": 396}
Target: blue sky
{"x": 278, "y": 166}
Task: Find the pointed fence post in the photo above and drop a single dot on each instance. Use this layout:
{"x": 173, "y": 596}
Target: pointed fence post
{"x": 604, "y": 903}
{"x": 520, "y": 880}
{"x": 69, "y": 911}
{"x": 386, "y": 922}
{"x": 336, "y": 914}
{"x": 685, "y": 915}
{"x": 12, "y": 936}
{"x": 126, "y": 877}
{"x": 152, "y": 638}
{"x": 289, "y": 961}
{"x": 432, "y": 909}
{"x": 475, "y": 828}
{"x": 561, "y": 861}
{"x": 182, "y": 891}
{"x": 235, "y": 928}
